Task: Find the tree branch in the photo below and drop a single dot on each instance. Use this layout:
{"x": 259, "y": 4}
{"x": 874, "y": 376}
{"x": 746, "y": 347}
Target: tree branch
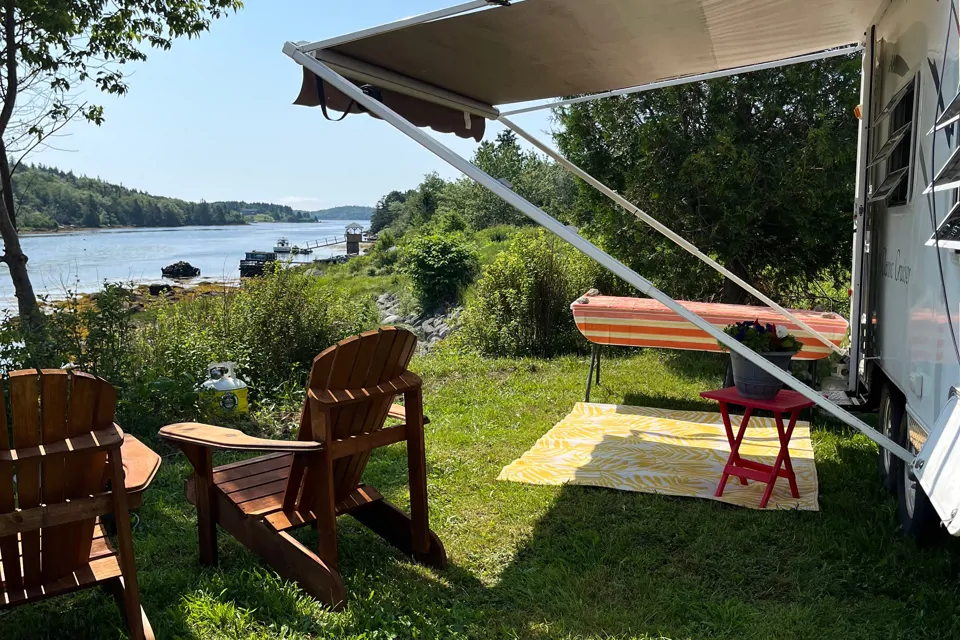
{"x": 10, "y": 90}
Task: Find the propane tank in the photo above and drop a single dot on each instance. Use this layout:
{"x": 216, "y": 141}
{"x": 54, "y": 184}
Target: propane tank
{"x": 226, "y": 393}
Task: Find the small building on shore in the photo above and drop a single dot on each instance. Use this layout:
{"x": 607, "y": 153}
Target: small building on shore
{"x": 354, "y": 235}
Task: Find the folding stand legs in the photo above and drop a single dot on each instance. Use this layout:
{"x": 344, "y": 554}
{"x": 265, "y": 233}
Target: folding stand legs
{"x": 594, "y": 366}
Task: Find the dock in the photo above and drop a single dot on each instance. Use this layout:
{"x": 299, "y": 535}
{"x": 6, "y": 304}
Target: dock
{"x": 255, "y": 261}
{"x": 325, "y": 242}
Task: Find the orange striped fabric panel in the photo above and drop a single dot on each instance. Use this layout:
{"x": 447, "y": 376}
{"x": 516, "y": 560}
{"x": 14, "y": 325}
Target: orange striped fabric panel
{"x": 643, "y": 322}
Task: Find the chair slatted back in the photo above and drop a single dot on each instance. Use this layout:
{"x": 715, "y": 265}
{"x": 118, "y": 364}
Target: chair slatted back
{"x": 44, "y": 407}
{"x": 367, "y": 360}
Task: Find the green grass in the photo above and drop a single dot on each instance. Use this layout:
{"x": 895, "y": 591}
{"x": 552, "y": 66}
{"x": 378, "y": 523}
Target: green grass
{"x": 553, "y": 562}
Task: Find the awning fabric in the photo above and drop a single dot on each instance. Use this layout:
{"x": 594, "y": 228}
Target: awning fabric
{"x": 419, "y": 112}
{"x": 541, "y": 49}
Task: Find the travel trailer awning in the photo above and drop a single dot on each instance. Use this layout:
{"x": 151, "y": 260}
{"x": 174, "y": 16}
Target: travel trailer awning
{"x": 542, "y": 49}
{"x": 471, "y": 57}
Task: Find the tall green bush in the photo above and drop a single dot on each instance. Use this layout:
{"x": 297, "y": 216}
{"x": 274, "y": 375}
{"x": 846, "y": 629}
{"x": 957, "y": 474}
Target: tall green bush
{"x": 280, "y": 322}
{"x": 384, "y": 251}
{"x": 439, "y": 266}
{"x": 521, "y": 306}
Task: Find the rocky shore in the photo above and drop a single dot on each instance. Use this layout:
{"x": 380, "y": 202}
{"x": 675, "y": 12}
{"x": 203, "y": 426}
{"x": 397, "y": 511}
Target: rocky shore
{"x": 430, "y": 328}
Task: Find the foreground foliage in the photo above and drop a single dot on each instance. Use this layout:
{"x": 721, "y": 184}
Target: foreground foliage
{"x": 521, "y": 305}
{"x": 272, "y": 327}
{"x": 551, "y": 562}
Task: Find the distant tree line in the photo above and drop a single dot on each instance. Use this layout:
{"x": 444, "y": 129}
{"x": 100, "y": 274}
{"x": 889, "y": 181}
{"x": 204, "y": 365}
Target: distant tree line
{"x": 530, "y": 174}
{"x": 348, "y": 212}
{"x": 48, "y": 198}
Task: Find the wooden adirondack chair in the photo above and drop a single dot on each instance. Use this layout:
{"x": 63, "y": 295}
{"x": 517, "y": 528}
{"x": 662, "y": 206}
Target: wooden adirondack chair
{"x": 317, "y": 477}
{"x": 66, "y": 448}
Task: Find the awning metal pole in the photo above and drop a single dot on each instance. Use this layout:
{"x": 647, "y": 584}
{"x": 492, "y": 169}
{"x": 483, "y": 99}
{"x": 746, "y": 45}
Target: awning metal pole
{"x": 664, "y": 230}
{"x": 585, "y": 246}
{"x": 386, "y": 79}
{"x": 700, "y": 77}
{"x": 398, "y": 24}
{"x": 860, "y": 210}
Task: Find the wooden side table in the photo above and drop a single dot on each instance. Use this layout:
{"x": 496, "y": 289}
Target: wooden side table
{"x": 785, "y": 402}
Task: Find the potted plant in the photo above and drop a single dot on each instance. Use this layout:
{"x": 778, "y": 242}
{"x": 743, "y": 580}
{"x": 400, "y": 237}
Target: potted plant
{"x": 773, "y": 342}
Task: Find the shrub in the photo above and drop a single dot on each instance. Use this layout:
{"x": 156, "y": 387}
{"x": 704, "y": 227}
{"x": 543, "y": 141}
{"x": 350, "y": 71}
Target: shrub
{"x": 272, "y": 328}
{"x": 440, "y": 266}
{"x": 384, "y": 251}
{"x": 92, "y": 333}
{"x": 499, "y": 233}
{"x": 521, "y": 306}
{"x": 280, "y": 322}
{"x": 449, "y": 221}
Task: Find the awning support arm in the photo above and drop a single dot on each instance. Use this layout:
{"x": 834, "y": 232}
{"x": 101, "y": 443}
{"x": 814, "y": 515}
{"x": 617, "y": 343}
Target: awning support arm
{"x": 689, "y": 247}
{"x": 585, "y": 246}
{"x": 700, "y": 77}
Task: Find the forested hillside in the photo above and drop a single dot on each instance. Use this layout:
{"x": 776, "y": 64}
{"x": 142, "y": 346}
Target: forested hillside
{"x": 349, "y": 212}
{"x": 49, "y": 198}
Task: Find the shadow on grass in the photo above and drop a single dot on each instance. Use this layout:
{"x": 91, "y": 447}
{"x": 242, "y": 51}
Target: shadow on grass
{"x": 658, "y": 402}
{"x": 595, "y": 563}
{"x": 603, "y": 563}
{"x": 694, "y": 364}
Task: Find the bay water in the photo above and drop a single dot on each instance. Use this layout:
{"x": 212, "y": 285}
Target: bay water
{"x": 82, "y": 260}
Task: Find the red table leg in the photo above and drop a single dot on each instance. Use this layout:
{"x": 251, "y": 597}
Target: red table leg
{"x": 734, "y": 458}
{"x": 783, "y": 459}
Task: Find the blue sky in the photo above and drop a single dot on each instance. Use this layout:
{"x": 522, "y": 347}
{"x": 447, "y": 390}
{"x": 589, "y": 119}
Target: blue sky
{"x": 212, "y": 118}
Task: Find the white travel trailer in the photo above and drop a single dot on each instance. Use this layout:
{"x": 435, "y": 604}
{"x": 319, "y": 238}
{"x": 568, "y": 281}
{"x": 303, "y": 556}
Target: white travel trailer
{"x": 450, "y": 69}
{"x": 905, "y": 307}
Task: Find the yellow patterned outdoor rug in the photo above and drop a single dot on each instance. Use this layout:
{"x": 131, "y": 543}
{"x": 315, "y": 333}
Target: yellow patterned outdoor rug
{"x": 676, "y": 453}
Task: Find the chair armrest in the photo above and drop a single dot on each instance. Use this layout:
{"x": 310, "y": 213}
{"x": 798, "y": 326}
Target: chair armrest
{"x": 399, "y": 412}
{"x": 140, "y": 464}
{"x": 205, "y": 435}
{"x": 407, "y": 381}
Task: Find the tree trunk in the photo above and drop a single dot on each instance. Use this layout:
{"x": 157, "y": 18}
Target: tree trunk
{"x": 732, "y": 293}
{"x": 16, "y": 260}
{"x": 32, "y": 320}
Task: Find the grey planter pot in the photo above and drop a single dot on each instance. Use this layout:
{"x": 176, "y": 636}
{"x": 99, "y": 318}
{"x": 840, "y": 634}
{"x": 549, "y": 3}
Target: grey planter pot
{"x": 755, "y": 383}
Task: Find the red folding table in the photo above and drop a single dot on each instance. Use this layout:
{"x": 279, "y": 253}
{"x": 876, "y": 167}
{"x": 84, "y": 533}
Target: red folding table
{"x": 785, "y": 402}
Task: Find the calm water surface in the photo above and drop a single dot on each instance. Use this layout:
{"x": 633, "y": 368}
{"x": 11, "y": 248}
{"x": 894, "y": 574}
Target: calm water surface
{"x": 81, "y": 261}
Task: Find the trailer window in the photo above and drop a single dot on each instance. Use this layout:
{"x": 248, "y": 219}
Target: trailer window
{"x": 948, "y": 233}
{"x": 901, "y": 125}
{"x": 949, "y": 176}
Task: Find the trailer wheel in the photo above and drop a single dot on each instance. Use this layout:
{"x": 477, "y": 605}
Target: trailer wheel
{"x": 890, "y": 419}
{"x": 918, "y": 518}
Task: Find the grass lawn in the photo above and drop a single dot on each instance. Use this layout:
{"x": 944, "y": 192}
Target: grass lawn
{"x": 552, "y": 562}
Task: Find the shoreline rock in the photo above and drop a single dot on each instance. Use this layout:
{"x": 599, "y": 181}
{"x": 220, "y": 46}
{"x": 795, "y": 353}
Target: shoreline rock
{"x": 180, "y": 270}
{"x": 430, "y": 328}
